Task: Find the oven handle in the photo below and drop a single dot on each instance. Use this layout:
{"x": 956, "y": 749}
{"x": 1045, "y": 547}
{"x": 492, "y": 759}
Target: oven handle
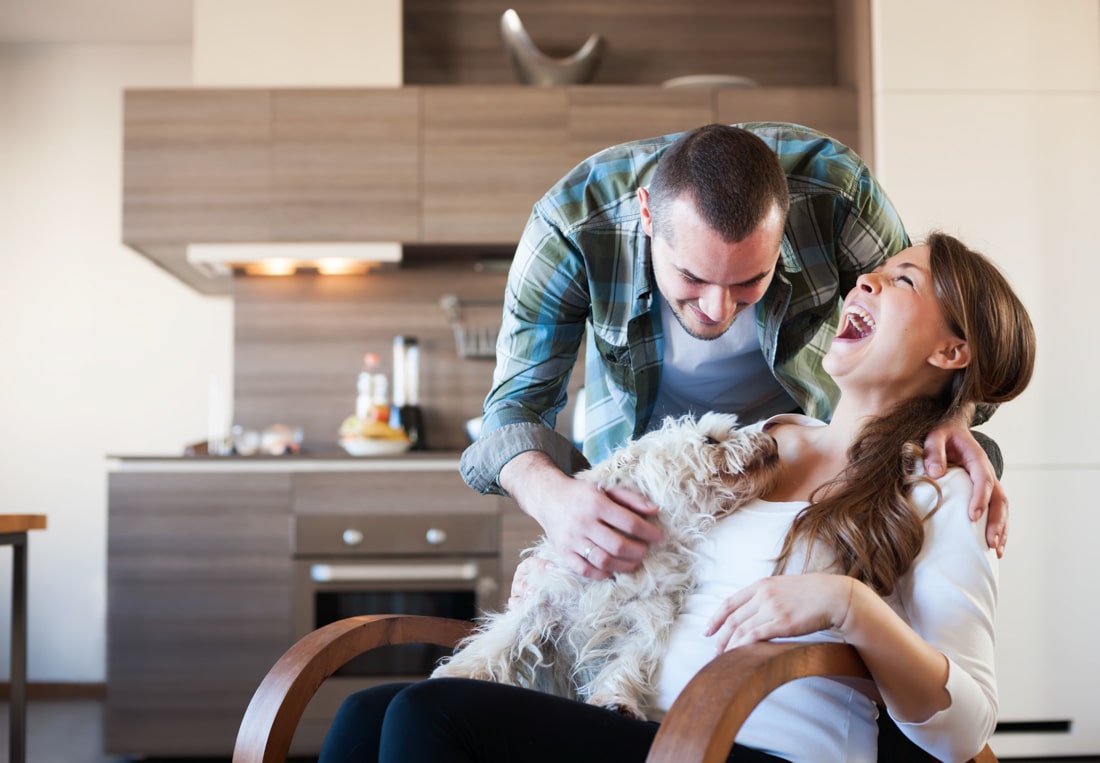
{"x": 391, "y": 573}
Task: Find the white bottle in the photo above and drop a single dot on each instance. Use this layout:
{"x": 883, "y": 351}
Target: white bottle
{"x": 368, "y": 382}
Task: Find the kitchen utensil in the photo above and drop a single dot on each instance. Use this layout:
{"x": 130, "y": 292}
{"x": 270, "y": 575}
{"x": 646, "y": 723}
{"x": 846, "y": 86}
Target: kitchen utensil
{"x": 406, "y": 390}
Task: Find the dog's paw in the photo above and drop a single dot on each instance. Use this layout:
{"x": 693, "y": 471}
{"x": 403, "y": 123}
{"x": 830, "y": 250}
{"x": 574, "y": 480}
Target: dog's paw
{"x": 448, "y": 670}
{"x": 453, "y": 670}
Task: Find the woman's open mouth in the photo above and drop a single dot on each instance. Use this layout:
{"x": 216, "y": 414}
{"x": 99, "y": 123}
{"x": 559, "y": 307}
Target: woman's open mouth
{"x": 856, "y": 323}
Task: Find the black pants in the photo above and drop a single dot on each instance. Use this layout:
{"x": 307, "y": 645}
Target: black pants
{"x": 454, "y": 720}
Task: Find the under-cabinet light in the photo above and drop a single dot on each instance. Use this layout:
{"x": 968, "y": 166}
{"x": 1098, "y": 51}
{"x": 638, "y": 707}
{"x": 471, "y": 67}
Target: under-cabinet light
{"x": 328, "y": 258}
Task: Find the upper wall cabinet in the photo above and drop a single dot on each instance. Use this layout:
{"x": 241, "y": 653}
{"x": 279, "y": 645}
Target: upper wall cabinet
{"x": 196, "y": 166}
{"x": 270, "y": 165}
{"x": 345, "y": 165}
{"x": 461, "y": 153}
{"x": 489, "y": 154}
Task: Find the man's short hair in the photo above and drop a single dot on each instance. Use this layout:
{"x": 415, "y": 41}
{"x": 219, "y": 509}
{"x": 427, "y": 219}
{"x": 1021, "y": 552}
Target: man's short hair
{"x": 732, "y": 175}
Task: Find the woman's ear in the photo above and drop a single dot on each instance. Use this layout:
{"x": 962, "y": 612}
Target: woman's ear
{"x": 952, "y": 356}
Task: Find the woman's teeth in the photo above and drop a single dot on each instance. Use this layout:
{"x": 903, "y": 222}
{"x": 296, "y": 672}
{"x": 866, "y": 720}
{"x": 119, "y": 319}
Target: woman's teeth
{"x": 858, "y": 323}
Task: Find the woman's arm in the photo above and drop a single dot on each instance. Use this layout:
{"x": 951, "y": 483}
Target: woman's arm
{"x": 931, "y": 655}
{"x": 949, "y": 597}
{"x": 911, "y": 675}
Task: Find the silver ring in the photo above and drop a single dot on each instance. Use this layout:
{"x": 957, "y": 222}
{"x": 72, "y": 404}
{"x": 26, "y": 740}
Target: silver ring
{"x": 587, "y": 551}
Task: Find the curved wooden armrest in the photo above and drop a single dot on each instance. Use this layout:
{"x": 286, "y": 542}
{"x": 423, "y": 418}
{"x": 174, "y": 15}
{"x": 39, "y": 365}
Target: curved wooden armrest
{"x": 277, "y": 706}
{"x": 704, "y": 720}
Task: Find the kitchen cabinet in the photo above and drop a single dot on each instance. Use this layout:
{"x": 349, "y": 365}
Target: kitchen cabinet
{"x": 428, "y": 165}
{"x": 345, "y": 165}
{"x": 605, "y": 116}
{"x": 246, "y": 166}
{"x": 834, "y": 111}
{"x": 196, "y": 166}
{"x": 199, "y": 600}
{"x": 489, "y": 154}
{"x": 205, "y": 586}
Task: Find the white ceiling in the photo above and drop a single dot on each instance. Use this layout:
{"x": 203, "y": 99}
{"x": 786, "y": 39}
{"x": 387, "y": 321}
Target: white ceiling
{"x": 59, "y": 21}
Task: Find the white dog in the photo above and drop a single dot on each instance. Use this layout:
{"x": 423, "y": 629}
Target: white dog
{"x": 602, "y": 640}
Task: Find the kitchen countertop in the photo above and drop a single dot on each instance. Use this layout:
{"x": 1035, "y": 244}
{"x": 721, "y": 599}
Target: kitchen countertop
{"x": 328, "y": 461}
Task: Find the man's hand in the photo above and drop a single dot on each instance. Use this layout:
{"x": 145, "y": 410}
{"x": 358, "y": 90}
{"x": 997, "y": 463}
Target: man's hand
{"x": 954, "y": 444}
{"x": 597, "y": 532}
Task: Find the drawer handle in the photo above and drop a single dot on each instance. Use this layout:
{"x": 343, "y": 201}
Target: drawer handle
{"x": 352, "y": 537}
{"x": 391, "y": 573}
{"x": 435, "y": 536}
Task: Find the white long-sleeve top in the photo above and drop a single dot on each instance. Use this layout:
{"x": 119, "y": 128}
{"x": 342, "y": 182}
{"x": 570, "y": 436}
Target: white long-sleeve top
{"x": 948, "y": 597}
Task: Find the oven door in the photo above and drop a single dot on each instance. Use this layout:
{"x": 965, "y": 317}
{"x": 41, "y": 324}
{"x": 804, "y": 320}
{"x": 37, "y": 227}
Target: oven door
{"x": 400, "y": 562}
{"x": 327, "y": 590}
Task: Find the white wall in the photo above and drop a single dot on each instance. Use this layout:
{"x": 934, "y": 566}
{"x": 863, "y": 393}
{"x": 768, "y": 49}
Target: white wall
{"x": 987, "y": 115}
{"x": 100, "y": 351}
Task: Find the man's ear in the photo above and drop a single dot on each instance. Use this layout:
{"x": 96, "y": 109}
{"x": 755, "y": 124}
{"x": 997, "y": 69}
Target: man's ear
{"x": 952, "y": 356}
{"x": 647, "y": 218}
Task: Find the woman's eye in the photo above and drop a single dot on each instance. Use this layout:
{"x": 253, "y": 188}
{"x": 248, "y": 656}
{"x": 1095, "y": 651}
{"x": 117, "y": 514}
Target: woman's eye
{"x": 905, "y": 279}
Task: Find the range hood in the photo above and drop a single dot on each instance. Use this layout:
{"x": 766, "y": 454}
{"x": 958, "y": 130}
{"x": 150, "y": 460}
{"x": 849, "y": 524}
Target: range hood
{"x": 218, "y": 261}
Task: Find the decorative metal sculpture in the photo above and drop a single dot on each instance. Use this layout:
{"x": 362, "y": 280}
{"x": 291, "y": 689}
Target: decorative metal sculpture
{"x": 533, "y": 67}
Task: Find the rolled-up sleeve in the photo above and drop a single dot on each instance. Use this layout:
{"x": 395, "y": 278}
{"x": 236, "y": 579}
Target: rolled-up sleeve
{"x": 481, "y": 463}
{"x": 949, "y": 597}
{"x": 546, "y": 305}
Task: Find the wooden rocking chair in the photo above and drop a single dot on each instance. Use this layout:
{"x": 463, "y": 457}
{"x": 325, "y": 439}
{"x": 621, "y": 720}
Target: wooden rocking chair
{"x": 700, "y": 726}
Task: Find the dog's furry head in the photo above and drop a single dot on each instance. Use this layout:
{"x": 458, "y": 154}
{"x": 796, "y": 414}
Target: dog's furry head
{"x": 704, "y": 464}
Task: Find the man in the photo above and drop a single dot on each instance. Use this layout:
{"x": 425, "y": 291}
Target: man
{"x": 708, "y": 269}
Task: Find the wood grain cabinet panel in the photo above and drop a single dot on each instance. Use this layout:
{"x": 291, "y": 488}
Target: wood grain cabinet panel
{"x": 832, "y": 110}
{"x": 387, "y": 493}
{"x": 488, "y": 154}
{"x": 606, "y": 116}
{"x": 196, "y": 166}
{"x": 199, "y": 606}
{"x": 345, "y": 165}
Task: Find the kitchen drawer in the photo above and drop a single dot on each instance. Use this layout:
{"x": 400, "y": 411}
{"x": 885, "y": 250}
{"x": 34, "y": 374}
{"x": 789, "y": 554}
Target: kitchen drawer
{"x": 404, "y": 534}
{"x": 397, "y": 492}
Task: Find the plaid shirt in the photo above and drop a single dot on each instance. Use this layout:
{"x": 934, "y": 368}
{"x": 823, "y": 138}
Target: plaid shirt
{"x": 584, "y": 261}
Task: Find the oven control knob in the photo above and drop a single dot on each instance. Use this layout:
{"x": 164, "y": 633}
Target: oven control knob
{"x": 352, "y": 537}
{"x": 435, "y": 536}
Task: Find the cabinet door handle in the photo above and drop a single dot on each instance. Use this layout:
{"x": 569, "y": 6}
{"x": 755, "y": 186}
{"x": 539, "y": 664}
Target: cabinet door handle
{"x": 391, "y": 573}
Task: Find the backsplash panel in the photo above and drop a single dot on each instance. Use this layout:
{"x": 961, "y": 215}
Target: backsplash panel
{"x": 300, "y": 341}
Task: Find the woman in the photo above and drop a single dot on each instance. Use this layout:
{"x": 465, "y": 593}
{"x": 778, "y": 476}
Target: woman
{"x": 853, "y": 544}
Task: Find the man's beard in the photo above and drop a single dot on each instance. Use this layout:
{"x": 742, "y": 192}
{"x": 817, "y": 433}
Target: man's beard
{"x": 676, "y": 311}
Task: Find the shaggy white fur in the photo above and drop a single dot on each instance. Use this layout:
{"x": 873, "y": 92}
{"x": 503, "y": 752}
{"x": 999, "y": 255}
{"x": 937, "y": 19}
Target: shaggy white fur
{"x": 601, "y": 641}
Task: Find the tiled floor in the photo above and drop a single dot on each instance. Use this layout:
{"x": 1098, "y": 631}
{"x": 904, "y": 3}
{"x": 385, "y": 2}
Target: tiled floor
{"x": 61, "y": 731}
{"x": 69, "y": 731}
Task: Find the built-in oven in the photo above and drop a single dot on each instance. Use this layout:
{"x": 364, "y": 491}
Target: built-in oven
{"x": 446, "y": 565}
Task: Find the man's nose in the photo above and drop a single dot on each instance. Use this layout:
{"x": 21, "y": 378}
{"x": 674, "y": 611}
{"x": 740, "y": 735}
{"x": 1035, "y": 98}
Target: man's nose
{"x": 717, "y": 303}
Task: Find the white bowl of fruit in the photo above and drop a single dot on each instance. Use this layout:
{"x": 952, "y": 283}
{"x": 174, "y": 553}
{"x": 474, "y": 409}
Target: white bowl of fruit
{"x": 360, "y": 437}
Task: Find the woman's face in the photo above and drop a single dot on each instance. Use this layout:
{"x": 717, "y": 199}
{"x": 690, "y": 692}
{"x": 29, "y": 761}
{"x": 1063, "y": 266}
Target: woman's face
{"x": 893, "y": 335}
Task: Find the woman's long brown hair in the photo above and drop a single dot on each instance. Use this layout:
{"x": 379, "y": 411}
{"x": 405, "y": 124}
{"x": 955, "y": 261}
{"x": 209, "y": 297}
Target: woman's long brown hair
{"x": 866, "y": 516}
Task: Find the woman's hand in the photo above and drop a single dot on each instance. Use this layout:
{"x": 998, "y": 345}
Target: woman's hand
{"x": 954, "y": 443}
{"x": 781, "y": 606}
